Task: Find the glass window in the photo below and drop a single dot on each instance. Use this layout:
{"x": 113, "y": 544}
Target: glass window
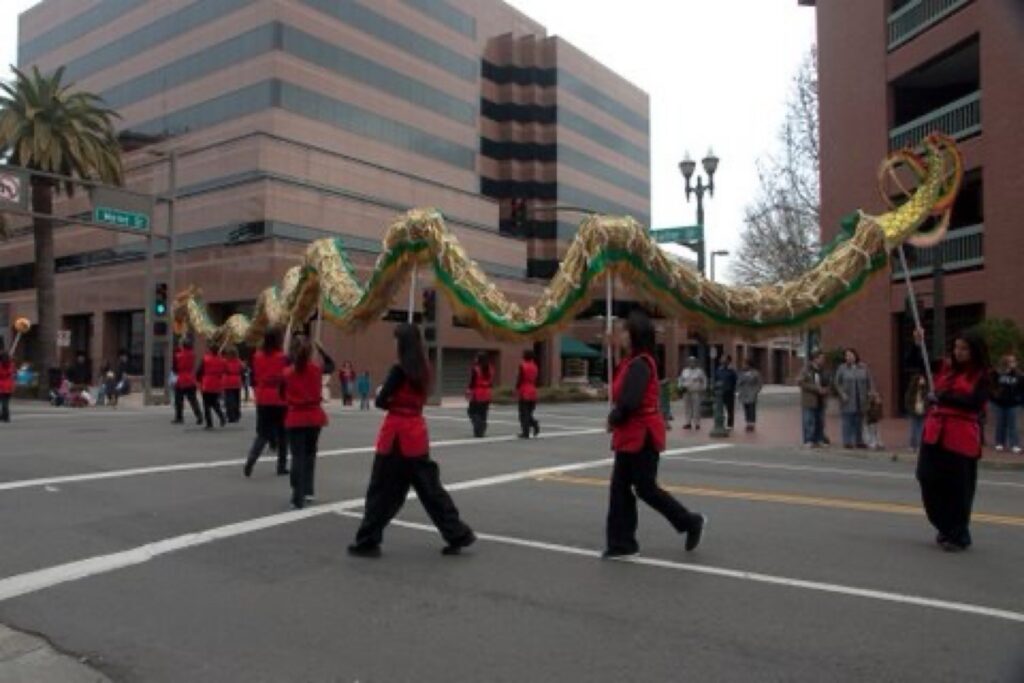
{"x": 602, "y": 101}
{"x": 602, "y": 135}
{"x": 250, "y": 99}
{"x": 520, "y": 75}
{"x": 100, "y": 15}
{"x": 567, "y": 194}
{"x": 598, "y": 169}
{"x": 448, "y": 15}
{"x": 398, "y": 36}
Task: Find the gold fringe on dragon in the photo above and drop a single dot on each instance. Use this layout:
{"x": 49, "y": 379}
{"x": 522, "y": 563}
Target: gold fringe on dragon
{"x": 616, "y": 244}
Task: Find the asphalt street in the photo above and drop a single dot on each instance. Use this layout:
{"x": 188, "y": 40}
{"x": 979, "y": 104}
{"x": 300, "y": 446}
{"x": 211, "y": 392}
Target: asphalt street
{"x": 139, "y": 547}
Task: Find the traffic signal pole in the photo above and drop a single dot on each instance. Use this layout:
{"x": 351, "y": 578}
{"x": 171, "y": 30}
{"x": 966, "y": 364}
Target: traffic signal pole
{"x": 147, "y": 324}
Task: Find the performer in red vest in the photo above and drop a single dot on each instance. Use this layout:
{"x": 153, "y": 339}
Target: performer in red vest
{"x": 6, "y": 384}
{"x": 403, "y": 456}
{"x": 479, "y": 393}
{"x": 526, "y": 387}
{"x": 232, "y": 384}
{"x": 268, "y": 365}
{"x": 304, "y": 416}
{"x": 211, "y": 384}
{"x": 638, "y": 437}
{"x": 947, "y": 465}
{"x": 185, "y": 382}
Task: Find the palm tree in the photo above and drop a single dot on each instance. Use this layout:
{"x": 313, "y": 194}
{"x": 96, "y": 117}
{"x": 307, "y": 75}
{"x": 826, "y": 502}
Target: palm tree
{"x": 46, "y": 127}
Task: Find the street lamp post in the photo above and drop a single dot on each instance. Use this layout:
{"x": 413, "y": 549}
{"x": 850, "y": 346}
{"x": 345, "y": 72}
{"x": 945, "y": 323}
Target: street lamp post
{"x": 687, "y": 167}
{"x": 171, "y": 198}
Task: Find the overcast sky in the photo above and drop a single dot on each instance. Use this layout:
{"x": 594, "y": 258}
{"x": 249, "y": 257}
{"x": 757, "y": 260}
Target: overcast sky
{"x": 717, "y": 73}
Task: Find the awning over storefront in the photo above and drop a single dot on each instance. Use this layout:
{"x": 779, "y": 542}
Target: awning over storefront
{"x": 574, "y": 348}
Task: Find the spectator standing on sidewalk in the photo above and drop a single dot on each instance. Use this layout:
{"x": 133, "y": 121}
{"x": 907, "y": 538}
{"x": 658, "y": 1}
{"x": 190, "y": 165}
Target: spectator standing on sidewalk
{"x": 726, "y": 378}
{"x": 363, "y": 387}
{"x": 748, "y": 387}
{"x": 1007, "y": 392}
{"x": 872, "y": 419}
{"x": 814, "y": 390}
{"x": 692, "y": 384}
{"x": 916, "y": 404}
{"x": 853, "y": 384}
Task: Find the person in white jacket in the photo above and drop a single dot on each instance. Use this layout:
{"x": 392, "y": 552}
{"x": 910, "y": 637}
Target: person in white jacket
{"x": 692, "y": 384}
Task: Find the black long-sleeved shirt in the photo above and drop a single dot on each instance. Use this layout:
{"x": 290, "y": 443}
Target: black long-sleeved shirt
{"x": 638, "y": 374}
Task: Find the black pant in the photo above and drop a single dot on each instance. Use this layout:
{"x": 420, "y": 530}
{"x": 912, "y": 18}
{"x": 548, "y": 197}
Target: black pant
{"x": 526, "y": 419}
{"x": 269, "y": 429}
{"x": 478, "y": 416}
{"x": 5, "y": 407}
{"x": 635, "y": 475}
{"x": 390, "y": 480}
{"x": 303, "y": 442}
{"x": 211, "y": 402}
{"x": 948, "y": 482}
{"x": 729, "y": 401}
{"x": 750, "y": 412}
{"x": 233, "y": 404}
{"x": 179, "y": 404}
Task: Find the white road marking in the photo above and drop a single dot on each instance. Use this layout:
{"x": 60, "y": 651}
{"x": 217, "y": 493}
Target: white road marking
{"x": 30, "y": 582}
{"x": 186, "y": 467}
{"x": 871, "y": 474}
{"x": 491, "y": 420}
{"x": 742, "y": 575}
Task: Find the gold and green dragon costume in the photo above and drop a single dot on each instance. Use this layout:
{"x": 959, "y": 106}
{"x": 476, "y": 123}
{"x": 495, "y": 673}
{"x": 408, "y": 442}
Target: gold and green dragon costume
{"x": 603, "y": 244}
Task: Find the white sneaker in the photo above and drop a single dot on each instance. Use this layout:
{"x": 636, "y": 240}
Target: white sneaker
{"x": 1000, "y": 449}
{"x": 1016, "y": 450}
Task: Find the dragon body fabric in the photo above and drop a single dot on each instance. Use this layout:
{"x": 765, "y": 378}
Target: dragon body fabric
{"x": 603, "y": 244}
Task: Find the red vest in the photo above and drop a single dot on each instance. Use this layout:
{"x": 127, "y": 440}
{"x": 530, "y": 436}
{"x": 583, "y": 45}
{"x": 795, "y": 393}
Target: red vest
{"x": 404, "y": 423}
{"x": 185, "y": 368}
{"x": 213, "y": 374}
{"x": 232, "y": 373}
{"x": 480, "y": 386}
{"x": 303, "y": 397}
{"x": 528, "y": 381}
{"x": 7, "y": 377}
{"x": 630, "y": 435}
{"x": 954, "y": 429}
{"x": 268, "y": 370}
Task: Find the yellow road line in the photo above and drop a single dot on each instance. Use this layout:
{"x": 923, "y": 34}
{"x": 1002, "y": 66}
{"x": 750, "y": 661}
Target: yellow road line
{"x": 791, "y": 499}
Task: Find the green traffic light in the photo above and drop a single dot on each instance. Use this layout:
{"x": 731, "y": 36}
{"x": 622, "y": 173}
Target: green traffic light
{"x": 161, "y": 309}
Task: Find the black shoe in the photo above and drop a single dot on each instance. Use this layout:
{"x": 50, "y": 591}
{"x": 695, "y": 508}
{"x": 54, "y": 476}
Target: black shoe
{"x": 199, "y": 422}
{"x": 177, "y": 421}
{"x": 364, "y": 550}
{"x": 247, "y": 469}
{"x": 208, "y": 426}
{"x": 619, "y": 554}
{"x": 456, "y": 548}
{"x": 281, "y": 471}
{"x": 695, "y": 533}
{"x": 522, "y": 436}
{"x": 297, "y": 505}
{"x": 536, "y": 428}
{"x": 222, "y": 422}
{"x": 952, "y": 546}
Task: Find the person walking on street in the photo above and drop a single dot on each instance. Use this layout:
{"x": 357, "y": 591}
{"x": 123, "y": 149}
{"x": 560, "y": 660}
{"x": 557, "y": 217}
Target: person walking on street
{"x": 947, "y": 465}
{"x": 363, "y": 387}
{"x": 268, "y": 366}
{"x": 304, "y": 414}
{"x": 814, "y": 390}
{"x": 185, "y": 382}
{"x": 6, "y": 383}
{"x": 638, "y": 438}
{"x": 853, "y": 383}
{"x": 1007, "y": 394}
{"x": 347, "y": 377}
{"x": 748, "y": 387}
{"x": 403, "y": 456}
{"x": 211, "y": 383}
{"x": 726, "y": 378}
{"x": 916, "y": 405}
{"x": 526, "y": 388}
{"x": 481, "y": 377}
{"x": 692, "y": 384}
{"x": 232, "y": 384}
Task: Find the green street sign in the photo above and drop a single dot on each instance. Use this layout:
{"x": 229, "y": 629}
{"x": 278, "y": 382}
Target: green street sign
{"x": 121, "y": 219}
{"x": 688, "y": 233}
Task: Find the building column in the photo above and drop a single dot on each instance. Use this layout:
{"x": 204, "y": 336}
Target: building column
{"x": 551, "y": 363}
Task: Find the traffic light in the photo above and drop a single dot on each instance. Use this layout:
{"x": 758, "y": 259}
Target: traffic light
{"x": 160, "y": 300}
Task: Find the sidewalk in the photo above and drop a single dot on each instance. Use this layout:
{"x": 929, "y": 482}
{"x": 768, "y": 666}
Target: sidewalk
{"x": 25, "y": 658}
{"x": 778, "y": 425}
